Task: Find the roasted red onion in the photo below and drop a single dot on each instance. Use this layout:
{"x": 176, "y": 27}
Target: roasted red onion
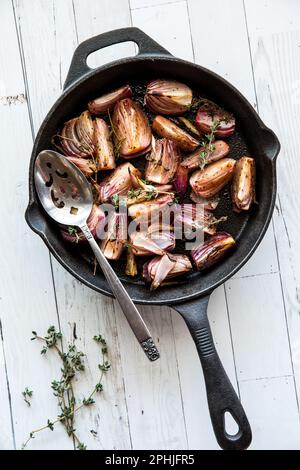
{"x": 162, "y": 268}
{"x": 209, "y": 114}
{"x": 104, "y": 149}
{"x": 87, "y": 167}
{"x": 131, "y": 266}
{"x": 209, "y": 204}
{"x": 180, "y": 181}
{"x": 115, "y": 238}
{"x": 85, "y": 131}
{"x": 193, "y": 219}
{"x": 106, "y": 102}
{"x": 96, "y": 223}
{"x": 201, "y": 157}
{"x": 168, "y": 97}
{"x": 162, "y": 162}
{"x": 156, "y": 241}
{"x": 150, "y": 208}
{"x": 213, "y": 178}
{"x": 243, "y": 184}
{"x": 212, "y": 250}
{"x": 118, "y": 182}
{"x": 132, "y": 132}
{"x": 70, "y": 142}
{"x": 166, "y": 128}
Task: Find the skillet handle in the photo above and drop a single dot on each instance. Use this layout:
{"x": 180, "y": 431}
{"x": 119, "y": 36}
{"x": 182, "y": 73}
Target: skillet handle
{"x": 221, "y": 395}
{"x": 79, "y": 67}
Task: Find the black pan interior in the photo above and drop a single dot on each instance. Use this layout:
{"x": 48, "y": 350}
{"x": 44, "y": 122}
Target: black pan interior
{"x": 248, "y": 139}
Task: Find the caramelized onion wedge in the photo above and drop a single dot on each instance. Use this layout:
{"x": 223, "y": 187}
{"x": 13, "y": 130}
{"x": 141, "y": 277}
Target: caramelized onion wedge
{"x": 106, "y": 102}
{"x": 202, "y": 157}
{"x": 166, "y": 128}
{"x": 149, "y": 208}
{"x": 168, "y": 97}
{"x": 209, "y": 204}
{"x": 192, "y": 220}
{"x": 87, "y": 167}
{"x": 85, "y": 131}
{"x": 104, "y": 149}
{"x": 212, "y": 250}
{"x": 162, "y": 268}
{"x": 210, "y": 113}
{"x": 156, "y": 241}
{"x": 70, "y": 142}
{"x": 180, "y": 181}
{"x": 132, "y": 131}
{"x": 213, "y": 178}
{"x": 118, "y": 182}
{"x": 162, "y": 162}
{"x": 131, "y": 266}
{"x": 115, "y": 237}
{"x": 243, "y": 184}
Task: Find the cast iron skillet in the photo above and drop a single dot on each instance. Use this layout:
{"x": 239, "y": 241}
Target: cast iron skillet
{"x": 190, "y": 298}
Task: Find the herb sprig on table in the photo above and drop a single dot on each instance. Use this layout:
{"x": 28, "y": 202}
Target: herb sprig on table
{"x": 72, "y": 364}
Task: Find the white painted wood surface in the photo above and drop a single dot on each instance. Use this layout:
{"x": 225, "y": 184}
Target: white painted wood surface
{"x": 254, "y": 317}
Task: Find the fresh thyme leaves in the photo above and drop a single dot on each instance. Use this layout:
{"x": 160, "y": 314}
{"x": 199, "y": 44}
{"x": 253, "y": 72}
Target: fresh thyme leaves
{"x": 207, "y": 145}
{"x": 27, "y": 395}
{"x": 72, "y": 364}
{"x": 115, "y": 200}
{"x": 73, "y": 231}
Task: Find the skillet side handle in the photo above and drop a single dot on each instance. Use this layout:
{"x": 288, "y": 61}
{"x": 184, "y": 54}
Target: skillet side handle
{"x": 79, "y": 67}
{"x": 221, "y": 395}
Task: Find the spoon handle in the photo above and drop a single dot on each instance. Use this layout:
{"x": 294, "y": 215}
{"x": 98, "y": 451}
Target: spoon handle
{"x": 130, "y": 311}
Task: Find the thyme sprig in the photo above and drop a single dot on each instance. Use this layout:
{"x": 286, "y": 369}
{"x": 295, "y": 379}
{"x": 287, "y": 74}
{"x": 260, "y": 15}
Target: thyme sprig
{"x": 207, "y": 145}
{"x": 72, "y": 364}
{"x": 27, "y": 395}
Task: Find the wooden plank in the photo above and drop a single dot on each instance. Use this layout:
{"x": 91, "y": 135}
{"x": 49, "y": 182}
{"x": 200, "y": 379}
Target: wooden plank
{"x": 153, "y": 390}
{"x": 259, "y": 330}
{"x": 176, "y": 38}
{"x": 276, "y": 60}
{"x": 26, "y": 288}
{"x": 226, "y": 20}
{"x": 7, "y": 432}
{"x": 273, "y": 417}
{"x": 92, "y": 313}
{"x": 134, "y": 4}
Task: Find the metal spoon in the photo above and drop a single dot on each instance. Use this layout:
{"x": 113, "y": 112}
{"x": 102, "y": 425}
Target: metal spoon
{"x": 67, "y": 197}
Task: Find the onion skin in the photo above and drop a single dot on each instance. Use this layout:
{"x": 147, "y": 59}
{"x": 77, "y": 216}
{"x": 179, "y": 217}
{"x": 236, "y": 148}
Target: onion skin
{"x": 116, "y": 236}
{"x": 209, "y": 113}
{"x": 163, "y": 161}
{"x": 107, "y": 102}
{"x": 131, "y": 128}
{"x": 243, "y": 184}
{"x": 118, "y": 182}
{"x": 212, "y": 250}
{"x": 168, "y": 97}
{"x": 180, "y": 181}
{"x": 193, "y": 161}
{"x": 87, "y": 167}
{"x": 193, "y": 220}
{"x": 96, "y": 223}
{"x": 104, "y": 149}
{"x": 209, "y": 204}
{"x": 213, "y": 178}
{"x": 162, "y": 268}
{"x": 166, "y": 128}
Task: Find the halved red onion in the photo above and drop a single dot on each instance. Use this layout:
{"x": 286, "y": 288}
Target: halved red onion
{"x": 212, "y": 250}
{"x": 85, "y": 131}
{"x": 210, "y": 113}
{"x": 150, "y": 208}
{"x": 156, "y": 241}
{"x": 106, "y": 102}
{"x": 166, "y": 128}
{"x": 70, "y": 142}
{"x": 96, "y": 223}
{"x": 104, "y": 149}
{"x": 115, "y": 237}
{"x": 202, "y": 157}
{"x": 194, "y": 219}
{"x": 132, "y": 132}
{"x": 180, "y": 181}
{"x": 212, "y": 178}
{"x": 118, "y": 182}
{"x": 87, "y": 167}
{"x": 168, "y": 97}
{"x": 162, "y": 268}
{"x": 162, "y": 162}
{"x": 243, "y": 184}
{"x": 209, "y": 204}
